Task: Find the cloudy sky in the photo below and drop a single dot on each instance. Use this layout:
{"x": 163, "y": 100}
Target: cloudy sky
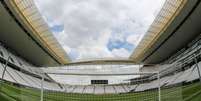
{"x": 99, "y": 28}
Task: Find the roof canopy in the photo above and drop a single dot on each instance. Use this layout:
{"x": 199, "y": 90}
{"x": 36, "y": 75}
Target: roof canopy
{"x": 173, "y": 28}
{"x": 24, "y": 21}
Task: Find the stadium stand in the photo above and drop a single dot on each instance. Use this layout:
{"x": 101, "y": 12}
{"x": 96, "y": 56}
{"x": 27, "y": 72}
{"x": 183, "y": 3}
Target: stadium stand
{"x": 178, "y": 69}
{"x": 25, "y": 79}
{"x": 168, "y": 78}
{"x": 109, "y": 89}
{"x": 89, "y": 89}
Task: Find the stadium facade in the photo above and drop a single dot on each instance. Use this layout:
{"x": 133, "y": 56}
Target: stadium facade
{"x": 32, "y": 62}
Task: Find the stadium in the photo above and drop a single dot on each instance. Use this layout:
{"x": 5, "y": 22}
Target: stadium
{"x": 35, "y": 67}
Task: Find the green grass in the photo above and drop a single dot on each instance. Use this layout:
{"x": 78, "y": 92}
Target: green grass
{"x": 191, "y": 92}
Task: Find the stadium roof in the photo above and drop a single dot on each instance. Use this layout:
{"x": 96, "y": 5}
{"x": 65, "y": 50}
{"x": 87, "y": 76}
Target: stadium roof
{"x": 26, "y": 32}
{"x": 176, "y": 25}
{"x": 102, "y": 61}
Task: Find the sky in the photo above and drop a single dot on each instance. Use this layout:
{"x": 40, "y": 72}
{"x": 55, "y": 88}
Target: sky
{"x": 99, "y": 28}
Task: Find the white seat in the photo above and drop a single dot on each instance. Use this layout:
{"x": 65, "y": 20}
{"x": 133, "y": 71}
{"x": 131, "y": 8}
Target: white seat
{"x": 126, "y": 87}
{"x": 78, "y": 89}
{"x": 119, "y": 89}
{"x": 89, "y": 89}
{"x": 68, "y": 88}
{"x": 194, "y": 75}
{"x": 109, "y": 89}
{"x": 132, "y": 87}
{"x": 4, "y": 51}
{"x": 142, "y": 87}
{"x": 9, "y": 77}
{"x": 17, "y": 77}
{"x": 99, "y": 89}
{"x": 1, "y": 70}
{"x": 183, "y": 77}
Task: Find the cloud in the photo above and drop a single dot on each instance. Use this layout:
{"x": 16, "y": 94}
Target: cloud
{"x": 120, "y": 52}
{"x": 86, "y": 27}
{"x": 134, "y": 39}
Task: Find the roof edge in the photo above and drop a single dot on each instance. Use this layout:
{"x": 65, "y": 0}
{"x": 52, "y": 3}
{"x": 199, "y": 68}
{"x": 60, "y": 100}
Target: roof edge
{"x": 32, "y": 19}
{"x": 169, "y": 11}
